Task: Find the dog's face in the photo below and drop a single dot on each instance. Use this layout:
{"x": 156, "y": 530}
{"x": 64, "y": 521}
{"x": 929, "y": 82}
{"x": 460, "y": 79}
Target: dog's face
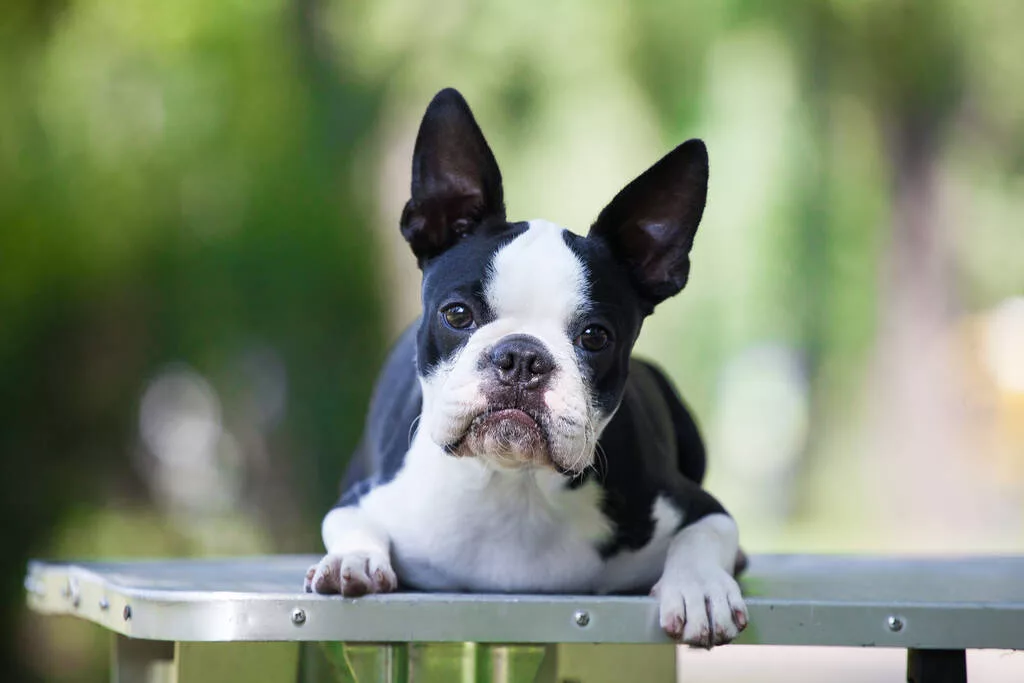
{"x": 527, "y": 329}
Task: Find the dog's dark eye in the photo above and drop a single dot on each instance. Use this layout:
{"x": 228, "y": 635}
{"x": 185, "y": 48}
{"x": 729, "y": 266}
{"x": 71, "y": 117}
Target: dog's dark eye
{"x": 593, "y": 338}
{"x": 457, "y": 316}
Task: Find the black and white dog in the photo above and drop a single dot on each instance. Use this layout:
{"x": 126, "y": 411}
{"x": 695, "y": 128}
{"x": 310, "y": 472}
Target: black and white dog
{"x": 513, "y": 444}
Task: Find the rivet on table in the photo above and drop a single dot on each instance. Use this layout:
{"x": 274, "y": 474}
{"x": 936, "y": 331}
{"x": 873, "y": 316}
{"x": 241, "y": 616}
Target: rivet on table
{"x": 581, "y": 617}
{"x": 127, "y": 613}
{"x": 73, "y": 594}
{"x": 104, "y": 604}
{"x": 894, "y": 623}
{"x": 298, "y": 616}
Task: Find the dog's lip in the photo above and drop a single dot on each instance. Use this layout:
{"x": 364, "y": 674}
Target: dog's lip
{"x": 497, "y": 414}
{"x": 515, "y": 414}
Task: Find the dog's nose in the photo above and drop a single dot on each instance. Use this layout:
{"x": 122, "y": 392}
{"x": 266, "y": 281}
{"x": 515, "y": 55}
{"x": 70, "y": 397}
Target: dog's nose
{"x": 521, "y": 359}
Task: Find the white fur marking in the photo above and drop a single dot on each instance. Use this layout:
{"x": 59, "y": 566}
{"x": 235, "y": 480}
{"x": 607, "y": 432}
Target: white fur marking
{"x": 537, "y": 279}
{"x": 457, "y": 524}
{"x": 700, "y": 601}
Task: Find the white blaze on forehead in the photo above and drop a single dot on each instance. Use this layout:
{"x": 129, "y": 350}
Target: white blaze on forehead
{"x": 537, "y": 277}
{"x": 536, "y": 285}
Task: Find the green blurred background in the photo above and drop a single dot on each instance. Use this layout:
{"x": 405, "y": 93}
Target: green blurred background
{"x": 200, "y": 267}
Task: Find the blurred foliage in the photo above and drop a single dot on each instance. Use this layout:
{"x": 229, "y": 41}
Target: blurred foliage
{"x": 177, "y": 184}
{"x": 205, "y": 195}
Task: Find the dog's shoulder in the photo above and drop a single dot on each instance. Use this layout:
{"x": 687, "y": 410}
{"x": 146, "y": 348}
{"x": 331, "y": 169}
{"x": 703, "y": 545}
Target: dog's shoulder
{"x": 656, "y": 426}
{"x": 390, "y": 423}
{"x": 651, "y": 381}
{"x": 653, "y": 460}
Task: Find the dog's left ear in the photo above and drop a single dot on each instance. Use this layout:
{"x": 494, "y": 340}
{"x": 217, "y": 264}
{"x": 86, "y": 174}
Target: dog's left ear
{"x": 651, "y": 223}
{"x": 456, "y": 183}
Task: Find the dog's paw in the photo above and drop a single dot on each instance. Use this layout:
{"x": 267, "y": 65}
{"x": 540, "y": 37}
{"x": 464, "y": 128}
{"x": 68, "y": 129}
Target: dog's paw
{"x": 701, "y": 606}
{"x": 352, "y": 575}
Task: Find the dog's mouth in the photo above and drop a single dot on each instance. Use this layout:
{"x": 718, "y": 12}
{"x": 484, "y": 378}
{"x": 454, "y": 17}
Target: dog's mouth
{"x": 515, "y": 415}
{"x": 510, "y": 436}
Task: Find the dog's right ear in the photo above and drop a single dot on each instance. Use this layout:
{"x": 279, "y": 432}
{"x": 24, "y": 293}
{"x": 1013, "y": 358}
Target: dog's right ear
{"x": 456, "y": 183}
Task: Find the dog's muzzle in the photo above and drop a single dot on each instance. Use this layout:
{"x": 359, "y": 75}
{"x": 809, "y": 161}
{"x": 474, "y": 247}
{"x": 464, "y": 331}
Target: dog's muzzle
{"x": 511, "y": 432}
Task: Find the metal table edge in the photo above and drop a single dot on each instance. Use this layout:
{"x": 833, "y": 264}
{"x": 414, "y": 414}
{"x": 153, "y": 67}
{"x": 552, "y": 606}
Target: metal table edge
{"x": 67, "y": 588}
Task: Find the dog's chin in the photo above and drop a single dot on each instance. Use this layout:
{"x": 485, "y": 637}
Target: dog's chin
{"x": 508, "y": 438}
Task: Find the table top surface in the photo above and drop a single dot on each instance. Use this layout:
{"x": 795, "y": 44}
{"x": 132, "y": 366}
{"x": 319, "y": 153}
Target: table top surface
{"x": 953, "y": 603}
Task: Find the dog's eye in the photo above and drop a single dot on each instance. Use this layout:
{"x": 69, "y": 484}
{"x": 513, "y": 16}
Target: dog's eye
{"x": 457, "y": 316}
{"x": 593, "y": 338}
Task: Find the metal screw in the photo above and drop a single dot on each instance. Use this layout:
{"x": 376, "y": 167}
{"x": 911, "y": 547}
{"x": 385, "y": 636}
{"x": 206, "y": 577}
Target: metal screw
{"x": 127, "y": 613}
{"x": 72, "y": 593}
{"x": 298, "y": 616}
{"x": 582, "y": 618}
{"x": 104, "y": 604}
{"x": 895, "y": 624}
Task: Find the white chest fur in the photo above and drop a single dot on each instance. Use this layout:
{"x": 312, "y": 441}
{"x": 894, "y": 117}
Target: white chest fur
{"x": 455, "y": 524}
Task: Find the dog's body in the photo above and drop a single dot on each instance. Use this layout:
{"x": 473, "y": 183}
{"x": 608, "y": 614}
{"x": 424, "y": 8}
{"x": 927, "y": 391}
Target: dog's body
{"x": 512, "y": 443}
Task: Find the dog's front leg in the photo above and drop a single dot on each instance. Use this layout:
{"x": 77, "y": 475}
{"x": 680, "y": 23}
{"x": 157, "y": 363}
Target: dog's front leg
{"x": 700, "y": 601}
{"x": 358, "y": 557}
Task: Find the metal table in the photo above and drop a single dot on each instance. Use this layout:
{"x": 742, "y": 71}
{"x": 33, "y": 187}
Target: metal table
{"x": 244, "y": 619}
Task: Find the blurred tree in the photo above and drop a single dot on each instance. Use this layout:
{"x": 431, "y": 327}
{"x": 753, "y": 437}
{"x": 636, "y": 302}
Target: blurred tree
{"x": 177, "y": 184}
{"x": 906, "y": 61}
{"x": 915, "y": 88}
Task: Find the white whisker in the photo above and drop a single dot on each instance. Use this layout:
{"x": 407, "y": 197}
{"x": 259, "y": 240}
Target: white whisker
{"x": 412, "y": 427}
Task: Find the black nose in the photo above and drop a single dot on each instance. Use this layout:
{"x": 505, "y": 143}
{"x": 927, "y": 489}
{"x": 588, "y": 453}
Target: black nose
{"x": 521, "y": 359}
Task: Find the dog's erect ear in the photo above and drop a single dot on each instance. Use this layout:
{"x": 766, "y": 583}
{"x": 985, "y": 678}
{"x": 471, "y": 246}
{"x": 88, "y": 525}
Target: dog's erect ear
{"x": 651, "y": 223}
{"x": 456, "y": 183}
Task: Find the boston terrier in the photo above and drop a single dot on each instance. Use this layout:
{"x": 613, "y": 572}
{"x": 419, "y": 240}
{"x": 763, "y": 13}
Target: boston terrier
{"x": 513, "y": 444}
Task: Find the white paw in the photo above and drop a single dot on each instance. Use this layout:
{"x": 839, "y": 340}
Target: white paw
{"x": 701, "y": 606}
{"x": 352, "y": 574}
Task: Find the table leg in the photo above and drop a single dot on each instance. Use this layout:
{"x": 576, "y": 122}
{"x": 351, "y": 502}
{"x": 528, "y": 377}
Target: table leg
{"x": 486, "y": 663}
{"x": 375, "y": 663}
{"x": 142, "y": 661}
{"x": 936, "y": 666}
{"x": 154, "y": 661}
{"x": 505, "y": 663}
{"x": 584, "y": 663}
{"x": 420, "y": 662}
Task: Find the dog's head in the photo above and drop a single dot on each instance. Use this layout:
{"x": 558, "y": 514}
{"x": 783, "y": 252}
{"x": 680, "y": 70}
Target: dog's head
{"x": 524, "y": 344}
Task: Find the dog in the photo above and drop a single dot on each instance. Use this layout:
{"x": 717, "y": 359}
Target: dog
{"x": 513, "y": 444}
